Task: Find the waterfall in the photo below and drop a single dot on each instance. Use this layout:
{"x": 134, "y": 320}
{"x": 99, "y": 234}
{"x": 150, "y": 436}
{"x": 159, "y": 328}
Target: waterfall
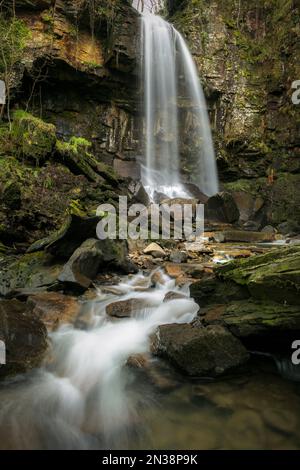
{"x": 167, "y": 67}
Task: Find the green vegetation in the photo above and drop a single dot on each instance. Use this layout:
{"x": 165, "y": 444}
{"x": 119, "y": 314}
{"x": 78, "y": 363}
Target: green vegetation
{"x": 13, "y": 36}
{"x": 34, "y": 139}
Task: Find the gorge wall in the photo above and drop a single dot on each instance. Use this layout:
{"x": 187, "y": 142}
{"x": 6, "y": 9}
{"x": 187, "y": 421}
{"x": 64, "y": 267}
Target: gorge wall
{"x": 77, "y": 68}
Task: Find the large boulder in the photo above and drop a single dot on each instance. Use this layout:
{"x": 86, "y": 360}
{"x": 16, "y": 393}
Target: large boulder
{"x": 24, "y": 336}
{"x": 222, "y": 208}
{"x": 273, "y": 276}
{"x": 197, "y": 351}
{"x": 30, "y": 271}
{"x": 254, "y": 318}
{"x": 90, "y": 257}
{"x": 54, "y": 308}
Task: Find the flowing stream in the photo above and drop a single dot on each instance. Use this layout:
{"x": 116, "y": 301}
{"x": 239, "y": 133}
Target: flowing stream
{"x": 84, "y": 398}
{"x": 169, "y": 75}
{"x": 87, "y": 396}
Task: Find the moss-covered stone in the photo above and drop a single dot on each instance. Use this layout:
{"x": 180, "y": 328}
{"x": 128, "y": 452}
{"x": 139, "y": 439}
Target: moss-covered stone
{"x": 34, "y": 139}
{"x": 273, "y": 276}
{"x": 78, "y": 156}
{"x": 28, "y": 271}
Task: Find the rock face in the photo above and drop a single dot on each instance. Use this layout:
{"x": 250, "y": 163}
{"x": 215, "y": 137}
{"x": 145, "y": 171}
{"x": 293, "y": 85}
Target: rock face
{"x": 24, "y": 335}
{"x": 248, "y": 83}
{"x": 199, "y": 351}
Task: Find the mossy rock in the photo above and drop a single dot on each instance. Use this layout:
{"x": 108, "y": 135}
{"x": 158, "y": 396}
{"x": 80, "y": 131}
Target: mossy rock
{"x": 77, "y": 155}
{"x": 272, "y": 276}
{"x": 28, "y": 271}
{"x": 34, "y": 139}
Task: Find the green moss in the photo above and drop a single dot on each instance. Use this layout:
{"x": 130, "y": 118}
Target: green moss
{"x": 34, "y": 139}
{"x": 78, "y": 156}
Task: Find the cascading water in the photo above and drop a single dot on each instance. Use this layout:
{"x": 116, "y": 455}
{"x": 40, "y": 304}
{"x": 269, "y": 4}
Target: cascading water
{"x": 167, "y": 67}
{"x": 86, "y": 397}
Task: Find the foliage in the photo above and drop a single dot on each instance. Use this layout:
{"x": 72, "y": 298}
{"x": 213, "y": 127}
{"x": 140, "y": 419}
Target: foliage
{"x": 13, "y": 36}
{"x": 33, "y": 137}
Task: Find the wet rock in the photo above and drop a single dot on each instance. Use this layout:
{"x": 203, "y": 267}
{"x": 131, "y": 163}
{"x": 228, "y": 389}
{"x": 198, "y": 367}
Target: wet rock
{"x": 173, "y": 270}
{"x": 174, "y": 295}
{"x": 178, "y": 257}
{"x": 138, "y": 361}
{"x": 34, "y": 270}
{"x": 138, "y": 193}
{"x": 155, "y": 250}
{"x": 195, "y": 192}
{"x": 157, "y": 279}
{"x": 158, "y": 197}
{"x": 243, "y": 236}
{"x": 24, "y": 335}
{"x": 222, "y": 208}
{"x": 54, "y": 309}
{"x": 245, "y": 430}
{"x": 90, "y": 257}
{"x": 125, "y": 308}
{"x": 199, "y": 351}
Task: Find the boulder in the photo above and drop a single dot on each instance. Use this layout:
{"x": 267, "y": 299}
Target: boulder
{"x": 54, "y": 308}
{"x": 222, "y": 208}
{"x": 254, "y": 318}
{"x": 138, "y": 193}
{"x": 273, "y": 276}
{"x": 24, "y": 335}
{"x": 125, "y": 308}
{"x": 213, "y": 291}
{"x": 174, "y": 295}
{"x": 86, "y": 261}
{"x": 178, "y": 257}
{"x": 209, "y": 351}
{"x": 30, "y": 271}
{"x": 155, "y": 250}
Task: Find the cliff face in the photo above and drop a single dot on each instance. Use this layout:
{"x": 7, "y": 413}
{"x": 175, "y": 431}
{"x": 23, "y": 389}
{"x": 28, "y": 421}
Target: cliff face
{"x": 77, "y": 67}
{"x": 247, "y": 54}
{"x": 79, "y": 71}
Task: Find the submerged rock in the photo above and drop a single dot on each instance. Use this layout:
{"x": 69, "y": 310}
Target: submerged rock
{"x": 24, "y": 335}
{"x": 199, "y": 351}
{"x": 125, "y": 308}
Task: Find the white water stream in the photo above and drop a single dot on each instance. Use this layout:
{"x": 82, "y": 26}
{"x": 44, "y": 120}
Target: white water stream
{"x": 84, "y": 397}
